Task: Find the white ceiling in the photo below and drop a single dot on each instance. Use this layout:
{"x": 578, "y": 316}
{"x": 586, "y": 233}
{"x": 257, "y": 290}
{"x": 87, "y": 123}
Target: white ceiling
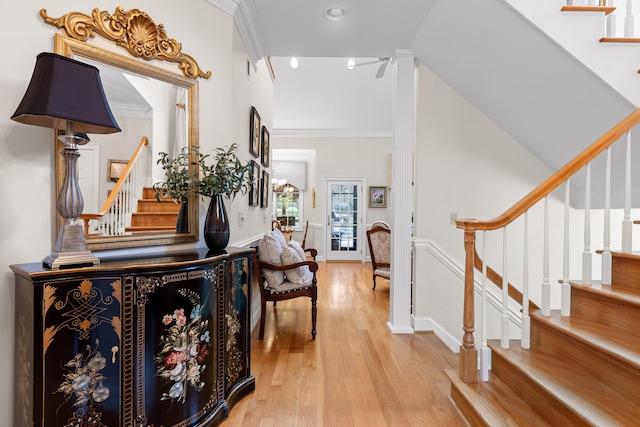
{"x": 371, "y": 28}
{"x": 323, "y": 97}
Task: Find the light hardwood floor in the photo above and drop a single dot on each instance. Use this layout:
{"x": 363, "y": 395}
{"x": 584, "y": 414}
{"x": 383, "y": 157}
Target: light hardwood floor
{"x": 356, "y": 373}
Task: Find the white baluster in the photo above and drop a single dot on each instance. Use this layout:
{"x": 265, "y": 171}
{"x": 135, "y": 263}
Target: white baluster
{"x": 606, "y": 252}
{"x": 111, "y": 229}
{"x": 629, "y": 25}
{"x": 586, "y": 255}
{"x": 546, "y": 287}
{"x": 130, "y": 200}
{"x": 120, "y": 211}
{"x": 485, "y": 352}
{"x": 126, "y": 220}
{"x": 504, "y": 341}
{"x": 526, "y": 320}
{"x": 627, "y": 224}
{"x": 566, "y": 287}
{"x": 611, "y": 21}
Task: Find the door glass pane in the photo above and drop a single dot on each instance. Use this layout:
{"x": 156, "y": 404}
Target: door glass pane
{"x": 344, "y": 217}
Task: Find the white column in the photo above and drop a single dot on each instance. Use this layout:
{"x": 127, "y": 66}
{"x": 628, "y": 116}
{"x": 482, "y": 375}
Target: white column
{"x": 403, "y": 124}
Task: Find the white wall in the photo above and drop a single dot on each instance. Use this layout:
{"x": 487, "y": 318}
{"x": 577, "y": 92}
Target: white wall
{"x": 465, "y": 164}
{"x": 27, "y": 222}
{"x": 339, "y": 157}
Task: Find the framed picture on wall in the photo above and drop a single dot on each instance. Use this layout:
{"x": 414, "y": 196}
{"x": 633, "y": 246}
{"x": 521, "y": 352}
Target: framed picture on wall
{"x": 115, "y": 169}
{"x": 254, "y": 191}
{"x": 254, "y": 133}
{"x": 265, "y": 147}
{"x": 377, "y": 197}
{"x": 264, "y": 196}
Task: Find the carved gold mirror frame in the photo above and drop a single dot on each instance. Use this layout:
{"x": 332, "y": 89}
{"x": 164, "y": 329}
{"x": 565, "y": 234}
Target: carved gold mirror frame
{"x": 137, "y": 34}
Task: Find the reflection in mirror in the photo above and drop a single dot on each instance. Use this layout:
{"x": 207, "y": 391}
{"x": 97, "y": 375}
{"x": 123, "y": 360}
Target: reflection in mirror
{"x": 288, "y": 206}
{"x": 157, "y": 111}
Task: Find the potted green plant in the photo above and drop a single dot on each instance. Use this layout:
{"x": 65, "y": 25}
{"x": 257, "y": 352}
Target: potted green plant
{"x": 225, "y": 177}
{"x": 181, "y": 181}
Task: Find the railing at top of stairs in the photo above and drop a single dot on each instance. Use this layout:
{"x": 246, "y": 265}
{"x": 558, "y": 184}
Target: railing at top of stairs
{"x": 468, "y": 368}
{"x": 620, "y": 19}
{"x": 115, "y": 215}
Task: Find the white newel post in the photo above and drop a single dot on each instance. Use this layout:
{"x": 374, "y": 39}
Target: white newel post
{"x": 403, "y": 123}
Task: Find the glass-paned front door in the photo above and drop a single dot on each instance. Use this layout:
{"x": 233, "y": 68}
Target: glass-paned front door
{"x": 345, "y": 220}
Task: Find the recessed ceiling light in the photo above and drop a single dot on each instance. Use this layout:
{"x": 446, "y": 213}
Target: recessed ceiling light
{"x": 294, "y": 63}
{"x": 335, "y": 13}
{"x": 351, "y": 64}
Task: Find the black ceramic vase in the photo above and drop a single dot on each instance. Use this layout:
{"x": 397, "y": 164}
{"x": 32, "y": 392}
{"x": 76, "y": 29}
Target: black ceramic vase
{"x": 182, "y": 223}
{"x": 216, "y": 225}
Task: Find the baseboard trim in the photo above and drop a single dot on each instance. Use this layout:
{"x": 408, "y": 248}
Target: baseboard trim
{"x": 401, "y": 330}
{"x": 423, "y": 324}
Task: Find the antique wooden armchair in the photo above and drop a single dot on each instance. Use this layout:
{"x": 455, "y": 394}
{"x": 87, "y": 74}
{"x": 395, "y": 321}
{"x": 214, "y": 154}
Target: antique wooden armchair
{"x": 278, "y": 282}
{"x": 379, "y": 238}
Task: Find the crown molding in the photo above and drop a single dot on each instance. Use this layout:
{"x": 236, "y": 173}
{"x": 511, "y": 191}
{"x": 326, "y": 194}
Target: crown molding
{"x": 246, "y": 19}
{"x": 228, "y": 6}
{"x": 331, "y": 133}
{"x": 131, "y": 110}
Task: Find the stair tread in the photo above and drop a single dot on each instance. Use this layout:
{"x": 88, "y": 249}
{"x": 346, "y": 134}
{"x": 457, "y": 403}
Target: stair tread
{"x": 142, "y": 229}
{"x": 595, "y": 402}
{"x": 621, "y": 294}
{"x": 615, "y": 343}
{"x": 496, "y": 403}
{"x": 155, "y": 213}
{"x": 619, "y": 40}
{"x": 574, "y": 8}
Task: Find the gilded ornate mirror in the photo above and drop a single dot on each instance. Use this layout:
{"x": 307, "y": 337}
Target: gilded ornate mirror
{"x": 157, "y": 111}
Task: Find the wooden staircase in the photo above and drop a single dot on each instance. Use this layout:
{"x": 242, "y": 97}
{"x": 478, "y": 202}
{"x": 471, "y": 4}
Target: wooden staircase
{"x": 153, "y": 216}
{"x": 580, "y": 370}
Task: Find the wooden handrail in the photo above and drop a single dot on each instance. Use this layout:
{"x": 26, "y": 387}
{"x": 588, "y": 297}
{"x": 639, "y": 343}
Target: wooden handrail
{"x": 125, "y": 174}
{"x": 556, "y": 179}
{"x": 468, "y": 353}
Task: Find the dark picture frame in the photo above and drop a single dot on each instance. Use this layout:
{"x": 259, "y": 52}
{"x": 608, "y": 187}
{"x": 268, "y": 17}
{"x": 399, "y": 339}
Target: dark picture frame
{"x": 264, "y": 147}
{"x": 254, "y": 133}
{"x": 264, "y": 194}
{"x": 115, "y": 169}
{"x": 254, "y": 191}
{"x": 377, "y": 197}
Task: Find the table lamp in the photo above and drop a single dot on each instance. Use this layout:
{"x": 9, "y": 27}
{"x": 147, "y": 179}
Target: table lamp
{"x": 66, "y": 94}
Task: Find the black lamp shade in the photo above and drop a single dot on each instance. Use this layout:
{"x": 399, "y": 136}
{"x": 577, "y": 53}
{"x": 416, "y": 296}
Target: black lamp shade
{"x": 64, "y": 90}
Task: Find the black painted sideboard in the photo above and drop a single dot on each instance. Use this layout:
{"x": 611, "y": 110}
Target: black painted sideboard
{"x": 155, "y": 341}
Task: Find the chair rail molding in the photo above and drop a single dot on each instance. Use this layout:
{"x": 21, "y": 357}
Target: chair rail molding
{"x": 430, "y": 247}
